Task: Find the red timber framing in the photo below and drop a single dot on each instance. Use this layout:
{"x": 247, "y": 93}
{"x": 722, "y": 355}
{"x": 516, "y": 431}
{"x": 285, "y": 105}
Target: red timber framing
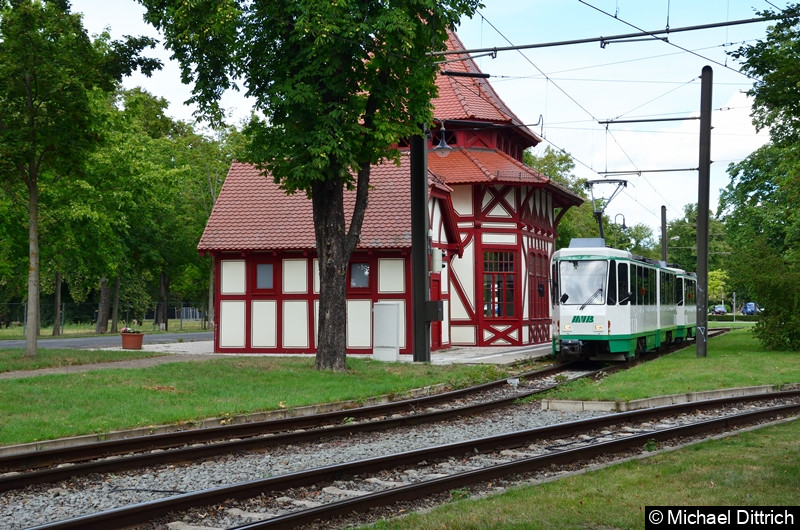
{"x": 511, "y": 236}
{"x": 492, "y": 222}
{"x": 267, "y": 302}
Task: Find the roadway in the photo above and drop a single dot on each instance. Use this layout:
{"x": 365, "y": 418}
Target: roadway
{"x": 108, "y": 341}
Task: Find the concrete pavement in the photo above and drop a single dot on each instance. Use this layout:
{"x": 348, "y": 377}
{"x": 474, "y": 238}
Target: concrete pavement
{"x": 502, "y": 355}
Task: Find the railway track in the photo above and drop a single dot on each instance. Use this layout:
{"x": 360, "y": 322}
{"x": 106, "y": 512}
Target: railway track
{"x": 22, "y": 471}
{"x": 26, "y": 469}
{"x": 406, "y": 476}
{"x": 409, "y": 411}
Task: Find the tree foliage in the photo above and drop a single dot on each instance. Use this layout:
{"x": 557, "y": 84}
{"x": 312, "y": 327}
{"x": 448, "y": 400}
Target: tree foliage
{"x": 48, "y": 70}
{"x": 682, "y": 241}
{"x": 338, "y": 82}
{"x": 558, "y": 166}
{"x": 759, "y": 204}
{"x": 773, "y": 63}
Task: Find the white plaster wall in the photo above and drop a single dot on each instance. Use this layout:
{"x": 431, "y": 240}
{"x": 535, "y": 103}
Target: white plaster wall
{"x": 464, "y": 269}
{"x": 233, "y": 277}
{"x": 526, "y": 244}
{"x": 359, "y": 324}
{"x": 511, "y": 197}
{"x": 446, "y": 322}
{"x": 462, "y": 199}
{"x": 499, "y": 210}
{"x": 458, "y": 311}
{"x": 436, "y": 219}
{"x": 295, "y": 276}
{"x": 391, "y": 276}
{"x": 264, "y": 324}
{"x": 502, "y": 239}
{"x": 231, "y": 323}
{"x": 316, "y": 275}
{"x": 464, "y": 335}
{"x": 316, "y": 321}
{"x": 295, "y": 324}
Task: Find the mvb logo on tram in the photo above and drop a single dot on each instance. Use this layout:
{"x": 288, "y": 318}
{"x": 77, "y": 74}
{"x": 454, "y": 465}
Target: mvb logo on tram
{"x": 583, "y": 319}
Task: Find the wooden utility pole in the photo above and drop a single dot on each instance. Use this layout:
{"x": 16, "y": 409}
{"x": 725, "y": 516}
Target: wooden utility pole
{"x": 703, "y": 192}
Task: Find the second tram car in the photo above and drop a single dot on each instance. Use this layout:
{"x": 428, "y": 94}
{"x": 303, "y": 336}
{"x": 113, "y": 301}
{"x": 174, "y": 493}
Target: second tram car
{"x": 609, "y": 304}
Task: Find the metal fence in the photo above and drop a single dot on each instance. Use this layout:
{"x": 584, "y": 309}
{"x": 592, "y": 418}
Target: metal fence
{"x": 82, "y": 318}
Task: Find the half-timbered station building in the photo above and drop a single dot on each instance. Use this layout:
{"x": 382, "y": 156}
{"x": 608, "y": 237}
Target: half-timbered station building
{"x": 492, "y": 220}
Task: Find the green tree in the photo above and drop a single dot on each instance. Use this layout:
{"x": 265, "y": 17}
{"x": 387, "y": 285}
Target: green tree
{"x": 718, "y": 286}
{"x": 682, "y": 241}
{"x": 48, "y": 66}
{"x": 763, "y": 226}
{"x": 759, "y": 203}
{"x": 642, "y": 241}
{"x": 558, "y": 166}
{"x": 339, "y": 82}
{"x": 772, "y": 62}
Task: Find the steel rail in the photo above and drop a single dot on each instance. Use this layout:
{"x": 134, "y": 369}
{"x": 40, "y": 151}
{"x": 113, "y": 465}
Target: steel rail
{"x": 82, "y": 453}
{"x": 195, "y": 453}
{"x": 109, "y": 448}
{"x": 144, "y": 512}
{"x": 257, "y": 440}
{"x": 411, "y": 492}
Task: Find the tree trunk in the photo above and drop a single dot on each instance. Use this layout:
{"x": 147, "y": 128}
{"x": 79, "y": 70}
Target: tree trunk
{"x": 162, "y": 315}
{"x": 335, "y": 245}
{"x": 115, "y": 306}
{"x": 103, "y": 307}
{"x": 330, "y": 234}
{"x": 57, "y": 307}
{"x": 32, "y": 329}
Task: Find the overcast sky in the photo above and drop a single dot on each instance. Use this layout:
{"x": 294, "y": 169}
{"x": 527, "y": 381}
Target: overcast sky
{"x": 573, "y": 87}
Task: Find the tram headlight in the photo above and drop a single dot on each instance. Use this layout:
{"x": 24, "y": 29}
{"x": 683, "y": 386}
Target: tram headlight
{"x": 567, "y": 327}
{"x": 598, "y": 327}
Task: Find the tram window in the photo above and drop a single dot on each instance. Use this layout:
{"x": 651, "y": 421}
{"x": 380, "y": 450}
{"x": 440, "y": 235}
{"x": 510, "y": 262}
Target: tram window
{"x": 611, "y": 299}
{"x": 691, "y": 292}
{"x": 622, "y": 284}
{"x": 640, "y": 286}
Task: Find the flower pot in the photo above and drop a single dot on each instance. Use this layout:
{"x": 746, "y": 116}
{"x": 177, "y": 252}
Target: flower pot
{"x": 132, "y": 341}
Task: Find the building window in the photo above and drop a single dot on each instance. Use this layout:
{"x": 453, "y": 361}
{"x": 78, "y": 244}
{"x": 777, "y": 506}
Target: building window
{"x": 359, "y": 275}
{"x": 499, "y": 284}
{"x": 538, "y": 300}
{"x": 264, "y": 277}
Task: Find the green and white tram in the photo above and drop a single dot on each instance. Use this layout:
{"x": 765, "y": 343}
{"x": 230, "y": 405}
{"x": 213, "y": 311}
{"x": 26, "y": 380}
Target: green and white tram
{"x": 609, "y": 304}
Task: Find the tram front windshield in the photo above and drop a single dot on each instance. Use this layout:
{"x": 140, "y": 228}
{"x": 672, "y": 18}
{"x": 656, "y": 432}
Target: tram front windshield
{"x": 583, "y": 282}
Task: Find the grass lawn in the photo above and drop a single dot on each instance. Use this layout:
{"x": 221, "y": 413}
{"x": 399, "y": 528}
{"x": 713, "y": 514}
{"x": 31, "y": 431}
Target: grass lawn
{"x": 734, "y": 359}
{"x": 53, "y": 406}
{"x": 756, "y": 468}
{"x": 13, "y": 359}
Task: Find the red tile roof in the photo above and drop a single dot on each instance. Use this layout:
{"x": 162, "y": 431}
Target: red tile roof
{"x": 465, "y": 166}
{"x": 492, "y": 166}
{"x": 472, "y": 98}
{"x": 253, "y": 213}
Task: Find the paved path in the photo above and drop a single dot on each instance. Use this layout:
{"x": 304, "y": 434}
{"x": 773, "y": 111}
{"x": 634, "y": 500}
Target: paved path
{"x": 107, "y": 341}
{"x": 191, "y": 347}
